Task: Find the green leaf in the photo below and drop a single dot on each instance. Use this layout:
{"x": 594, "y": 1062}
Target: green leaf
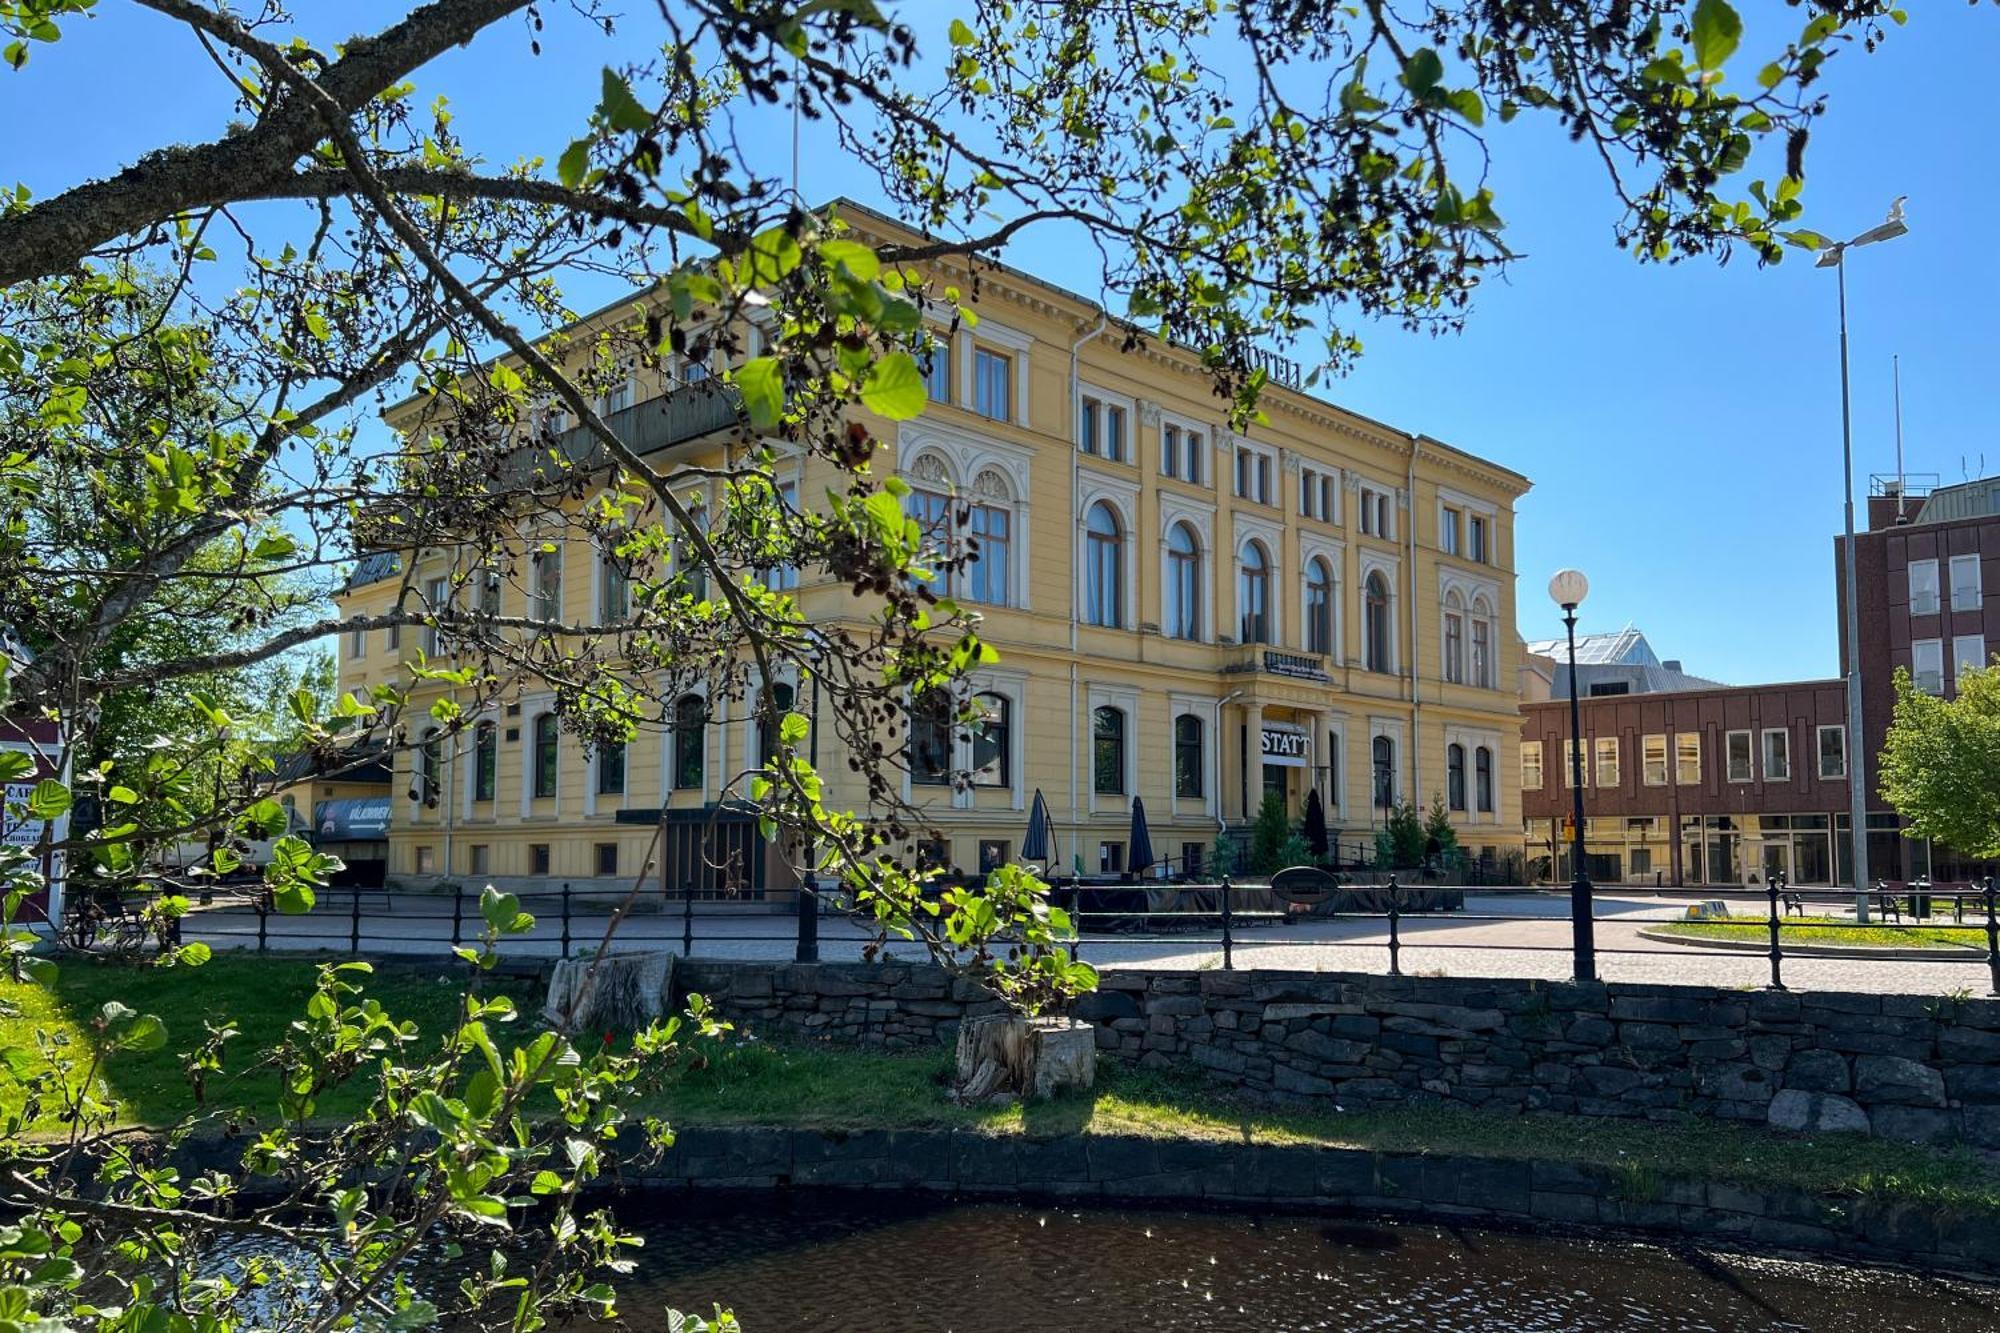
{"x": 1423, "y": 72}
{"x": 49, "y": 800}
{"x": 855, "y": 257}
{"x": 1717, "y": 30}
{"x": 317, "y": 326}
{"x": 574, "y": 162}
{"x": 15, "y": 764}
{"x": 144, "y": 1033}
{"x": 621, "y": 109}
{"x": 961, "y": 35}
{"x": 763, "y": 390}
{"x": 895, "y": 387}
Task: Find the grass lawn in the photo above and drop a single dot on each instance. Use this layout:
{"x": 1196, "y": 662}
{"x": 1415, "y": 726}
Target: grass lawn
{"x": 260, "y": 996}
{"x": 750, "y": 1083}
{"x": 1828, "y": 930}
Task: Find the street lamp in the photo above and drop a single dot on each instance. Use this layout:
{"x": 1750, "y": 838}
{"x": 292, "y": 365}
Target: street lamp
{"x": 1835, "y": 258}
{"x": 1568, "y": 589}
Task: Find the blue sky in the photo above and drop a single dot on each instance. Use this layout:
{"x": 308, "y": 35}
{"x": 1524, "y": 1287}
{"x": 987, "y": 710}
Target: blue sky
{"x": 1681, "y": 424}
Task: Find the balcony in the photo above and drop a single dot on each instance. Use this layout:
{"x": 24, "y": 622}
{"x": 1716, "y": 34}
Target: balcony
{"x": 1274, "y": 662}
{"x": 684, "y": 414}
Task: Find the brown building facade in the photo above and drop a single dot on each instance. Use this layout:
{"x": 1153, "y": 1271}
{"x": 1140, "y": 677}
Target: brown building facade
{"x": 1722, "y": 786}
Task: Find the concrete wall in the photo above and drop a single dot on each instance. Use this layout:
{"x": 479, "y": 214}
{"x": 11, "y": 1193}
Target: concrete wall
{"x": 1900, "y": 1067}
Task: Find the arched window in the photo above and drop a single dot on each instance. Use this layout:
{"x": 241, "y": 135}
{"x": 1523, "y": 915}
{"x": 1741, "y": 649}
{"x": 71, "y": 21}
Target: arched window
{"x": 1454, "y": 776}
{"x": 1482, "y": 779}
{"x": 485, "y": 761}
{"x": 1104, "y": 567}
{"x": 1319, "y": 607}
{"x": 1375, "y": 623}
{"x": 989, "y": 525}
{"x": 993, "y": 742}
{"x": 1383, "y": 752}
{"x": 546, "y": 755}
{"x": 778, "y": 697}
{"x": 1108, "y": 752}
{"x": 1254, "y": 596}
{"x": 1482, "y": 644}
{"x": 1454, "y": 639}
{"x": 430, "y": 762}
{"x": 1183, "y": 583}
{"x": 611, "y": 768}
{"x": 930, "y": 739}
{"x": 1188, "y": 764}
{"x": 690, "y": 741}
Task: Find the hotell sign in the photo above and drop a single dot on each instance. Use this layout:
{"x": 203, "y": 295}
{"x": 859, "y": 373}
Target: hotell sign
{"x": 1284, "y": 746}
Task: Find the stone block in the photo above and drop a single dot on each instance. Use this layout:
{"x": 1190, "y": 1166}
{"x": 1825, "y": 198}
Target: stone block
{"x": 1650, "y": 1037}
{"x": 1894, "y": 1079}
{"x": 1915, "y": 1124}
{"x": 1801, "y": 1112}
{"x": 1178, "y": 1006}
{"x": 1102, "y": 1005}
{"x": 1120, "y": 1158}
{"x": 1737, "y": 1082}
{"x": 1973, "y": 1083}
{"x": 1969, "y": 1045}
{"x": 1288, "y": 1079}
{"x": 1590, "y": 1030}
{"x": 1344, "y": 1173}
{"x": 1048, "y": 1162}
{"x": 1818, "y": 1071}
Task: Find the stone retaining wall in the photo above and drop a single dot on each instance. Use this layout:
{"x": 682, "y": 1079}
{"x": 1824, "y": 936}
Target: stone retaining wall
{"x": 1117, "y": 1169}
{"x": 1905, "y": 1067}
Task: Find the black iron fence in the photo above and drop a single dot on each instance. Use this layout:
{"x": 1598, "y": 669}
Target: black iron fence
{"x": 1919, "y": 937}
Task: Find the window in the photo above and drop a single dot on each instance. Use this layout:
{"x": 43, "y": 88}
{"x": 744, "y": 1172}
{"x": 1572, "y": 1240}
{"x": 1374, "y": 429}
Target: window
{"x": 1319, "y": 496}
{"x": 784, "y": 578}
{"x": 1965, "y": 590}
{"x": 985, "y": 540}
{"x": 1180, "y": 453}
{"x": 992, "y": 743}
{"x": 1477, "y": 546}
{"x": 1375, "y": 628}
{"x": 1454, "y": 639}
{"x": 1377, "y": 507}
{"x": 1319, "y": 606}
{"x": 485, "y": 761}
{"x": 1192, "y": 854}
{"x": 1653, "y": 760}
{"x": 481, "y": 859}
{"x": 1111, "y": 858}
{"x": 1607, "y": 761}
{"x": 930, "y": 740}
{"x": 991, "y": 529}
{"x": 1448, "y": 525}
{"x": 1687, "y": 759}
{"x": 437, "y": 595}
{"x": 619, "y": 394}
{"x": 1531, "y": 766}
{"x": 392, "y": 637}
{"x": 1108, "y": 752}
{"x": 1255, "y": 594}
{"x": 690, "y": 741}
{"x": 489, "y": 593}
{"x": 607, "y": 858}
{"x": 538, "y": 858}
{"x": 1454, "y": 776}
{"x": 548, "y": 583}
{"x": 357, "y": 643}
{"x": 992, "y": 854}
{"x": 1104, "y": 567}
{"x": 1482, "y": 647}
{"x": 426, "y": 860}
{"x": 992, "y": 384}
{"x": 1570, "y": 766}
{"x": 1777, "y": 755}
{"x": 546, "y": 754}
{"x": 1253, "y": 474}
{"x": 430, "y": 763}
{"x": 1187, "y": 755}
{"x": 1967, "y": 651}
{"x": 611, "y": 768}
{"x": 1382, "y": 755}
{"x": 771, "y": 710}
{"x": 937, "y": 370}
{"x": 1737, "y": 751}
{"x": 1923, "y": 587}
{"x": 614, "y": 587}
{"x": 1482, "y": 780}
{"x": 1927, "y": 665}
{"x": 1101, "y": 429}
{"x": 1183, "y": 583}
{"x": 688, "y": 568}
{"x": 1832, "y": 752}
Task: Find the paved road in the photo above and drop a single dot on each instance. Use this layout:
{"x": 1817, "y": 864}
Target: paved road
{"x": 1500, "y": 935}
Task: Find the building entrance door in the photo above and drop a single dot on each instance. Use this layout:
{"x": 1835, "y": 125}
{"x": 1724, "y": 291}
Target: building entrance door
{"x": 1778, "y": 861}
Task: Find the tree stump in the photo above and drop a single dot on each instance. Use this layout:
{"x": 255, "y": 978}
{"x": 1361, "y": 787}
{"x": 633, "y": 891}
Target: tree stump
{"x": 1004, "y": 1057}
{"x": 625, "y": 993}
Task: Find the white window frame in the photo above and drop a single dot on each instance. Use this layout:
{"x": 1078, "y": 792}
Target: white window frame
{"x": 1729, "y": 771}
{"x": 1372, "y": 562}
{"x": 1569, "y": 766}
{"x": 1479, "y": 538}
{"x": 1531, "y": 763}
{"x": 1126, "y": 699}
{"x": 1772, "y": 772}
{"x": 1602, "y": 747}
{"x": 966, "y": 456}
{"x": 437, "y": 598}
{"x": 1684, "y": 742}
{"x": 1004, "y": 359}
{"x": 1929, "y": 679}
{"x": 1839, "y": 733}
{"x": 1203, "y": 707}
{"x": 1450, "y": 527}
{"x": 1122, "y": 495}
{"x": 1104, "y": 400}
{"x": 1967, "y": 650}
{"x": 1200, "y": 520}
{"x": 1654, "y": 758}
{"x": 1271, "y": 536}
{"x": 1264, "y": 469}
{"x": 1335, "y": 730}
{"x": 995, "y": 337}
{"x": 1197, "y": 438}
{"x": 1966, "y": 592}
{"x": 1923, "y": 590}
{"x": 1319, "y": 548}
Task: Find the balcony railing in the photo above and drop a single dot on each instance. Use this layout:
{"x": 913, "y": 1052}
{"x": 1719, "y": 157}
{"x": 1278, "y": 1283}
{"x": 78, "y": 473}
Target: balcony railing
{"x": 1273, "y": 662}
{"x": 676, "y": 417}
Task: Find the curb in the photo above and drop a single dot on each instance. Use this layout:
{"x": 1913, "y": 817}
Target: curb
{"x": 1762, "y": 948}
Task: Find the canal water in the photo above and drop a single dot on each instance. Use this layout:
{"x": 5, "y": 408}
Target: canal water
{"x": 836, "y": 1263}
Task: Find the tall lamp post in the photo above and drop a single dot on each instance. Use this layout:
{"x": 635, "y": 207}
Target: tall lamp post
{"x": 1835, "y": 258}
{"x": 1568, "y": 589}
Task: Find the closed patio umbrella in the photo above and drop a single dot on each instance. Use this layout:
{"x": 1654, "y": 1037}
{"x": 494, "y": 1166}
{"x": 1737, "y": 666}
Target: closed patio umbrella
{"x": 1039, "y": 845}
{"x": 1142, "y": 839}
{"x": 1315, "y": 829}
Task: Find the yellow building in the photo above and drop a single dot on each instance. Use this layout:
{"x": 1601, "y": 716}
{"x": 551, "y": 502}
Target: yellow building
{"x": 1184, "y": 613}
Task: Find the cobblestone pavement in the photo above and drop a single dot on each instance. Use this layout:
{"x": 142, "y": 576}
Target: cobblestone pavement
{"x": 1501, "y": 935}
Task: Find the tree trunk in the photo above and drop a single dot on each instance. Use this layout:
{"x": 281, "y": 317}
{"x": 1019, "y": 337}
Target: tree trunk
{"x": 1005, "y": 1057}
{"x": 624, "y": 993}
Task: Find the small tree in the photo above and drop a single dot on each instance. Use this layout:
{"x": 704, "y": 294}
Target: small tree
{"x": 1269, "y": 835}
{"x": 1440, "y": 838}
{"x": 1941, "y": 762}
{"x": 1399, "y": 843}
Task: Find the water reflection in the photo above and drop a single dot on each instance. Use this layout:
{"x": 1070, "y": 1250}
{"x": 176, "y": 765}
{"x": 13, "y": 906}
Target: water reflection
{"x": 909, "y": 1267}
